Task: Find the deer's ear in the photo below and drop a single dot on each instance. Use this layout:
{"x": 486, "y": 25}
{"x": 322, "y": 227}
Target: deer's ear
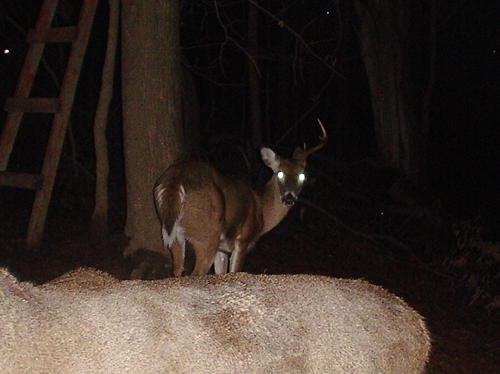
{"x": 270, "y": 158}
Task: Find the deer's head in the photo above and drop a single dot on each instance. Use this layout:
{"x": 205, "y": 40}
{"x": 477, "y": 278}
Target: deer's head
{"x": 289, "y": 174}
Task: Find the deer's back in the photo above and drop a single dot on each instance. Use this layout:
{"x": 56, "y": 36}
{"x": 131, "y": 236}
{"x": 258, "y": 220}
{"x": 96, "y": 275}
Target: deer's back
{"x": 238, "y": 323}
{"x": 209, "y": 197}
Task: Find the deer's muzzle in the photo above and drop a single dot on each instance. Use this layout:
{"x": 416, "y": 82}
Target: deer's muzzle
{"x": 288, "y": 199}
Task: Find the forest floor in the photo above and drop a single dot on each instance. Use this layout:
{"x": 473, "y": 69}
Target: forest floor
{"x": 350, "y": 224}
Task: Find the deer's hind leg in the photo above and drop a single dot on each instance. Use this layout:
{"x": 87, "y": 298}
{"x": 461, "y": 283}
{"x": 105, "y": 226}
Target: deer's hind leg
{"x": 205, "y": 254}
{"x": 204, "y": 224}
{"x": 176, "y": 244}
{"x": 178, "y": 252}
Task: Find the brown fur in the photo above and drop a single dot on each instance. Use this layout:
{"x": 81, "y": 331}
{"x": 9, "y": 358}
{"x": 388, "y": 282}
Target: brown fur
{"x": 212, "y": 206}
{"x": 88, "y": 322}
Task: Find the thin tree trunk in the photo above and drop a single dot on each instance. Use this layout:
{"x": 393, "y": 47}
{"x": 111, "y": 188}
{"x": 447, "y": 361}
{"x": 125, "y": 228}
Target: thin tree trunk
{"x": 190, "y": 113}
{"x": 284, "y": 78}
{"x": 427, "y": 100}
{"x": 99, "y": 221}
{"x": 382, "y": 28}
{"x": 152, "y": 107}
{"x": 254, "y": 78}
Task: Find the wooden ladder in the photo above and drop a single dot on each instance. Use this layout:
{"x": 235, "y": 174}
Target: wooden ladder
{"x": 61, "y": 106}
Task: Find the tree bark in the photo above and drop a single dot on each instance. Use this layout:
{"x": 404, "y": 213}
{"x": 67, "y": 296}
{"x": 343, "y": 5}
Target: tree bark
{"x": 152, "y": 106}
{"x": 382, "y": 28}
{"x": 99, "y": 221}
{"x": 254, "y": 79}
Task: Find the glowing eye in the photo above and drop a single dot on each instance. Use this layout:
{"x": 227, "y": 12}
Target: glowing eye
{"x": 281, "y": 175}
{"x": 302, "y": 177}
{"x": 6, "y": 51}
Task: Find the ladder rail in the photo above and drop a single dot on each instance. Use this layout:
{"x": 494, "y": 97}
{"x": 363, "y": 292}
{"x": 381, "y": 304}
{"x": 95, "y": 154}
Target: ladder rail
{"x": 25, "y": 83}
{"x": 60, "y": 123}
{"x": 61, "y": 107}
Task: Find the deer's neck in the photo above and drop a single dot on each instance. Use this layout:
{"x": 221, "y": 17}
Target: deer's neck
{"x": 273, "y": 210}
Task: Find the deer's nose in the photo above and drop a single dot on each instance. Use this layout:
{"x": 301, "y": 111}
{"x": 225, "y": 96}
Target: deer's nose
{"x": 289, "y": 199}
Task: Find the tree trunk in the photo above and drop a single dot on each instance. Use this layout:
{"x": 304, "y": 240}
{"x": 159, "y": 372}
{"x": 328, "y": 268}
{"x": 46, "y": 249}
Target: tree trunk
{"x": 99, "y": 221}
{"x": 382, "y": 28}
{"x": 152, "y": 105}
{"x": 254, "y": 81}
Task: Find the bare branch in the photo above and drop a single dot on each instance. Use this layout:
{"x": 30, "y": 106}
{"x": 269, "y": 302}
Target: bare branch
{"x": 234, "y": 41}
{"x": 282, "y": 23}
{"x": 316, "y": 101}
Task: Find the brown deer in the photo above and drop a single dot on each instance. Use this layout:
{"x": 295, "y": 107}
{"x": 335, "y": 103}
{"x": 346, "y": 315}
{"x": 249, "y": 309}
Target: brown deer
{"x": 220, "y": 215}
{"x": 88, "y": 322}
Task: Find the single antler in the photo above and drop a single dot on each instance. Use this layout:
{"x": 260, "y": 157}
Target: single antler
{"x": 323, "y": 140}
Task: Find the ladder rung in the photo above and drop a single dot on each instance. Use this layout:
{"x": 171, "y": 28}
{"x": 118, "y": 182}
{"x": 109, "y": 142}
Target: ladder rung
{"x": 20, "y": 180}
{"x": 53, "y": 35}
{"x": 32, "y": 105}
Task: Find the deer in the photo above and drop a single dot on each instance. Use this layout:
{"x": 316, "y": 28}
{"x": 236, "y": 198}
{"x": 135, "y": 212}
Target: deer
{"x": 87, "y": 321}
{"x": 222, "y": 216}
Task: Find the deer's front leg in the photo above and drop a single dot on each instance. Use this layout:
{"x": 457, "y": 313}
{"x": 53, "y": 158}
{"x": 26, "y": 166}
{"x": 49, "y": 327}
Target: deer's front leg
{"x": 241, "y": 248}
{"x": 221, "y": 262}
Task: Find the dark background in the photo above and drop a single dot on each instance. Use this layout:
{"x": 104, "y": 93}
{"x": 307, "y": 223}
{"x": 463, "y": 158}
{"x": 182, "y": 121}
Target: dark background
{"x": 296, "y": 89}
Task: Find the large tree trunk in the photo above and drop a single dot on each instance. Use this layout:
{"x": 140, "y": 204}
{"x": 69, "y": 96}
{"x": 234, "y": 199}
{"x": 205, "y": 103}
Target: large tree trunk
{"x": 152, "y": 107}
{"x": 383, "y": 28}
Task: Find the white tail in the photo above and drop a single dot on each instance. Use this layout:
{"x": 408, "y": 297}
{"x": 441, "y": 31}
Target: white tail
{"x": 221, "y": 216}
{"x": 88, "y": 322}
